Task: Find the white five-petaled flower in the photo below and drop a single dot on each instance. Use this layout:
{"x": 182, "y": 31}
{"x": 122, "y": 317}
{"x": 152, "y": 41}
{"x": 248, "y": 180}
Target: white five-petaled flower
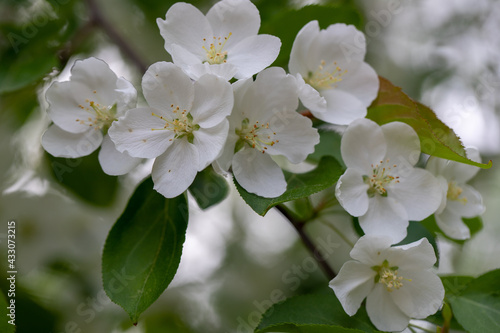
{"x": 381, "y": 185}
{"x": 459, "y": 200}
{"x": 184, "y": 128}
{"x": 224, "y": 42}
{"x": 264, "y": 122}
{"x": 83, "y": 109}
{"x": 334, "y": 82}
{"x": 398, "y": 282}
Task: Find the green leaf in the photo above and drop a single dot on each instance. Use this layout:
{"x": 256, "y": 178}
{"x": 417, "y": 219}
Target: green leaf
{"x": 455, "y": 284}
{"x": 26, "y": 67}
{"x": 143, "y": 249}
{"x": 476, "y": 306}
{"x": 316, "y": 313}
{"x": 98, "y": 188}
{"x": 299, "y": 185}
{"x": 436, "y": 138}
{"x": 5, "y": 312}
{"x": 208, "y": 188}
{"x": 474, "y": 224}
{"x": 287, "y": 23}
{"x": 34, "y": 44}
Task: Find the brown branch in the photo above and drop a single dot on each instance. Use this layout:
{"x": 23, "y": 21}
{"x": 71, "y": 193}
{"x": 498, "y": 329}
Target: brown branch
{"x": 98, "y": 19}
{"x": 315, "y": 251}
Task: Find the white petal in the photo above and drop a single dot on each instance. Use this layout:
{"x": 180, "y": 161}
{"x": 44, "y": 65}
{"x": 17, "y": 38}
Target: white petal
{"x": 67, "y": 103}
{"x": 452, "y": 225}
{"x": 225, "y": 71}
{"x": 342, "y": 107}
{"x": 258, "y": 173}
{"x": 469, "y": 203}
{"x": 461, "y": 172}
{"x": 213, "y": 101}
{"x": 60, "y": 143}
{"x": 420, "y": 297}
{"x": 166, "y": 86}
{"x": 134, "y": 133}
{"x": 353, "y": 283}
{"x": 385, "y": 217}
{"x": 338, "y": 43}
{"x": 351, "y": 192}
{"x": 113, "y": 162}
{"x": 310, "y": 97}
{"x": 383, "y": 312}
{"x": 417, "y": 255}
{"x": 403, "y": 145}
{"x": 300, "y": 48}
{"x": 240, "y": 89}
{"x": 253, "y": 54}
{"x": 452, "y": 170}
{"x": 294, "y": 147}
{"x": 185, "y": 26}
{"x": 127, "y": 96}
{"x": 443, "y": 184}
{"x": 361, "y": 80}
{"x": 209, "y": 143}
{"x": 224, "y": 161}
{"x": 418, "y": 191}
{"x": 239, "y": 17}
{"x": 184, "y": 58}
{"x": 273, "y": 92}
{"x": 368, "y": 249}
{"x": 437, "y": 166}
{"x": 363, "y": 144}
{"x": 176, "y": 169}
{"x": 97, "y": 76}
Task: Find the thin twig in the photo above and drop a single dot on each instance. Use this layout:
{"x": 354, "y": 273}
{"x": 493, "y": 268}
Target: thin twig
{"x": 315, "y": 251}
{"x": 98, "y": 19}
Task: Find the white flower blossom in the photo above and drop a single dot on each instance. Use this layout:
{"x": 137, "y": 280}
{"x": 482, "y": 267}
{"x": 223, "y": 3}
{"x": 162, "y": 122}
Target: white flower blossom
{"x": 458, "y": 199}
{"x": 83, "y": 109}
{"x": 264, "y": 122}
{"x": 184, "y": 128}
{"x": 381, "y": 185}
{"x": 224, "y": 42}
{"x": 397, "y": 282}
{"x": 334, "y": 82}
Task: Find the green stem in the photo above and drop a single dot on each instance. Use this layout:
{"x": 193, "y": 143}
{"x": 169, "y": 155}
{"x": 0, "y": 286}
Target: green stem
{"x": 337, "y": 231}
{"x": 315, "y": 251}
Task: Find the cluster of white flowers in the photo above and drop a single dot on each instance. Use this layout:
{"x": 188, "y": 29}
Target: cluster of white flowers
{"x": 196, "y": 118}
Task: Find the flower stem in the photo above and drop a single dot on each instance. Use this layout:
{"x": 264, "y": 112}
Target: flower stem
{"x": 98, "y": 19}
{"x": 315, "y": 251}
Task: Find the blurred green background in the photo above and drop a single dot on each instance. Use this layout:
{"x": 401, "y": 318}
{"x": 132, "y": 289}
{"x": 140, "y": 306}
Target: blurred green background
{"x": 235, "y": 263}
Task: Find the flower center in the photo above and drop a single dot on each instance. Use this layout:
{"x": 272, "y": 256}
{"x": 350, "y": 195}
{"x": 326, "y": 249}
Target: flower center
{"x": 389, "y": 276}
{"x": 215, "y": 51}
{"x": 101, "y": 116}
{"x": 380, "y": 178}
{"x": 182, "y": 126}
{"x": 258, "y": 136}
{"x": 454, "y": 192}
{"x": 326, "y": 76}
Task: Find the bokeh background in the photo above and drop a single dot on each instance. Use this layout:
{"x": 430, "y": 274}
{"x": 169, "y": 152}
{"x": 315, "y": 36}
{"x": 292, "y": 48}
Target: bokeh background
{"x": 235, "y": 263}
